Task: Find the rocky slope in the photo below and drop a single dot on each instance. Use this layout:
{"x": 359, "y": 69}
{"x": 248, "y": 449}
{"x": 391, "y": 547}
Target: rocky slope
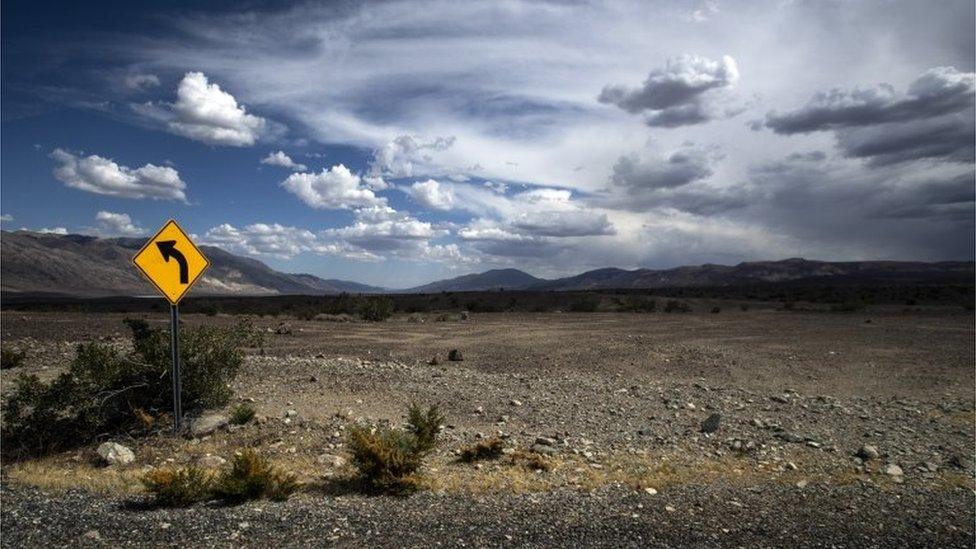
{"x": 87, "y": 266}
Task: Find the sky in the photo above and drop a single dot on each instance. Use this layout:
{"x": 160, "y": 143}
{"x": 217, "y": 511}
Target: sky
{"x": 394, "y": 143}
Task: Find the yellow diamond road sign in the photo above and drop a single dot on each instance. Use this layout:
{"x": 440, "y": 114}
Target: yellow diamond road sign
{"x": 171, "y": 262}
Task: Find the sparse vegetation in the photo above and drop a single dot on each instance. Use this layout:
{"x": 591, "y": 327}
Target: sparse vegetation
{"x": 241, "y": 414}
{"x": 252, "y": 476}
{"x": 675, "y": 306}
{"x": 11, "y": 357}
{"x": 178, "y": 487}
{"x": 387, "y": 458}
{"x": 106, "y": 392}
{"x": 376, "y": 309}
{"x": 483, "y": 450}
{"x": 585, "y": 304}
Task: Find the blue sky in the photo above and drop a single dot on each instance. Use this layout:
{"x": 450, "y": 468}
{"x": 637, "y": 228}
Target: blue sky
{"x": 398, "y": 142}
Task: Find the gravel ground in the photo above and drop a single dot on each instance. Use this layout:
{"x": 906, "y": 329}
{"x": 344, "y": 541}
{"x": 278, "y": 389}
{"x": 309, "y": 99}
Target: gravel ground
{"x": 716, "y": 515}
{"x": 620, "y": 400}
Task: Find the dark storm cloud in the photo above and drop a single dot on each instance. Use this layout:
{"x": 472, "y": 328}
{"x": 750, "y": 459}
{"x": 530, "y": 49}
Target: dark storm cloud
{"x": 673, "y": 96}
{"x": 636, "y": 175}
{"x": 937, "y": 92}
{"x": 950, "y": 137}
{"x": 561, "y": 224}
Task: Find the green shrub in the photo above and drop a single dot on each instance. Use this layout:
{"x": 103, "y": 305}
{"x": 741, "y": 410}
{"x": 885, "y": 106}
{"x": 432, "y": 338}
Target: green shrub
{"x": 486, "y": 449}
{"x": 387, "y": 458}
{"x": 252, "y": 476}
{"x": 241, "y": 414}
{"x": 640, "y": 305}
{"x": 585, "y": 304}
{"x": 105, "y": 391}
{"x": 172, "y": 487}
{"x": 675, "y": 306}
{"x": 848, "y": 307}
{"x": 425, "y": 426}
{"x": 376, "y": 309}
{"x": 11, "y": 357}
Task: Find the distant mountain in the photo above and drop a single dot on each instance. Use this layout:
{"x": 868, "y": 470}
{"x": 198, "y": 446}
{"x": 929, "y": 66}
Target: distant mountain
{"x": 788, "y": 271}
{"x": 88, "y": 266}
{"x": 496, "y": 279}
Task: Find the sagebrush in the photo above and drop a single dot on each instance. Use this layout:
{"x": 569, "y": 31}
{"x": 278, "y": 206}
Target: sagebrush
{"x": 252, "y": 476}
{"x": 483, "y": 450}
{"x": 11, "y": 357}
{"x": 178, "y": 487}
{"x": 387, "y": 458}
{"x": 106, "y": 392}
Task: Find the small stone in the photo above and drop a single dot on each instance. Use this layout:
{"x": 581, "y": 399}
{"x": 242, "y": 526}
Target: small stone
{"x": 434, "y": 361}
{"x": 893, "y": 470}
{"x": 291, "y": 413}
{"x": 690, "y": 405}
{"x": 331, "y": 460}
{"x": 868, "y": 452}
{"x": 650, "y": 491}
{"x": 207, "y": 424}
{"x": 543, "y": 449}
{"x": 670, "y": 508}
{"x": 211, "y": 462}
{"x": 515, "y": 403}
{"x": 113, "y": 453}
{"x": 455, "y": 355}
{"x": 545, "y": 441}
{"x": 92, "y": 535}
{"x": 791, "y": 466}
{"x": 710, "y": 425}
{"x": 802, "y": 484}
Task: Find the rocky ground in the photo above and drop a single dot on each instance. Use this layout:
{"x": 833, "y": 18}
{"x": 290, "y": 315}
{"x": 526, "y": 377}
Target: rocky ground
{"x": 757, "y": 428}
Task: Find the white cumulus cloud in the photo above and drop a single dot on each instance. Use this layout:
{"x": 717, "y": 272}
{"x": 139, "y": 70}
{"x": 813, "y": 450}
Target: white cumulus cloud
{"x": 432, "y": 194}
{"x": 99, "y": 175}
{"x": 117, "y": 224}
{"x": 279, "y": 158}
{"x": 335, "y": 188}
{"x": 206, "y": 113}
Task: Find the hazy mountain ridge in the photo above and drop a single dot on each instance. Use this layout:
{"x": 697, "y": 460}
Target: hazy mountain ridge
{"x": 89, "y": 266}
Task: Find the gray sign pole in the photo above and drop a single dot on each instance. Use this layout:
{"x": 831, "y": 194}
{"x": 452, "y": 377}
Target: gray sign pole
{"x": 175, "y": 350}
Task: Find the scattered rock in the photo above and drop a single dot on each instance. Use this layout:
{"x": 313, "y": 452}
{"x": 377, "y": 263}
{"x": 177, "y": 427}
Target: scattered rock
{"x": 434, "y": 361}
{"x": 514, "y": 402}
{"x": 208, "y": 424}
{"x": 455, "y": 356}
{"x": 283, "y": 329}
{"x": 789, "y": 437}
{"x": 802, "y": 484}
{"x": 113, "y": 453}
{"x": 545, "y": 441}
{"x": 331, "y": 460}
{"x": 710, "y": 425}
{"x": 650, "y": 491}
{"x": 868, "y": 452}
{"x": 543, "y": 449}
{"x": 893, "y": 470}
{"x": 92, "y": 535}
{"x": 291, "y": 413}
{"x": 211, "y": 462}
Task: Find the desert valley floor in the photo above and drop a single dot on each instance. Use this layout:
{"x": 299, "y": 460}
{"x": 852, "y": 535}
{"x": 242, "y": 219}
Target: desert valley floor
{"x": 617, "y": 400}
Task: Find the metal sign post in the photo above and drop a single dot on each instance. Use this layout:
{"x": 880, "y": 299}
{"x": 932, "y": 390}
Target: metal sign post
{"x": 174, "y": 337}
{"x": 173, "y": 280}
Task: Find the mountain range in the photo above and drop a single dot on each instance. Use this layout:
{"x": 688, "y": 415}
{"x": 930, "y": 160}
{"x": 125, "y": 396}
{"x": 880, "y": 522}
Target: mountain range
{"x": 88, "y": 266}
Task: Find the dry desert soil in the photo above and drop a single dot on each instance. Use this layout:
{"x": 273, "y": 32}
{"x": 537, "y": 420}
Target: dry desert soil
{"x": 615, "y": 404}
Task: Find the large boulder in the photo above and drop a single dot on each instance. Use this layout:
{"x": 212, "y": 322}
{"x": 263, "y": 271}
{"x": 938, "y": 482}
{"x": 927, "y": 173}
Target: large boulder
{"x": 113, "y": 453}
{"x": 208, "y": 424}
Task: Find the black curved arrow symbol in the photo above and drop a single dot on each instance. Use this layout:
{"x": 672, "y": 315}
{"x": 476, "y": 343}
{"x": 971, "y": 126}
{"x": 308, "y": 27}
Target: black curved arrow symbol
{"x": 168, "y": 249}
